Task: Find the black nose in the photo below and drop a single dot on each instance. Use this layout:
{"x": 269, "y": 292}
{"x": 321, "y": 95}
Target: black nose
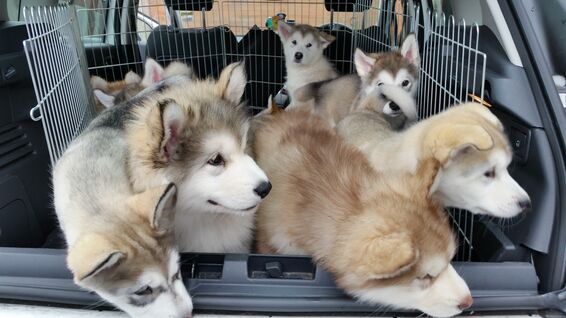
{"x": 263, "y": 189}
{"x": 394, "y": 107}
{"x": 525, "y": 204}
{"x": 298, "y": 56}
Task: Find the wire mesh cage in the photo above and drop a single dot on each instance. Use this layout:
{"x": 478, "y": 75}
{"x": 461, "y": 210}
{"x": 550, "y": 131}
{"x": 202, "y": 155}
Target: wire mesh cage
{"x": 115, "y": 37}
{"x": 59, "y": 74}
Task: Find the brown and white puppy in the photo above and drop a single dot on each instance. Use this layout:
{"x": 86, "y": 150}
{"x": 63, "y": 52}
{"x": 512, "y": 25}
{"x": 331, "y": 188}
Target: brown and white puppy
{"x": 478, "y": 181}
{"x": 392, "y": 77}
{"x": 121, "y": 244}
{"x": 108, "y": 94}
{"x": 381, "y": 235}
{"x": 195, "y": 133}
{"x": 304, "y": 60}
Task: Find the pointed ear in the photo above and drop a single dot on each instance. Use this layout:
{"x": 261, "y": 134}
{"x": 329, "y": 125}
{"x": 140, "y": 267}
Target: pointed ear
{"x": 91, "y": 255}
{"x": 363, "y": 62}
{"x": 232, "y": 82}
{"x": 448, "y": 141}
{"x": 132, "y": 78}
{"x": 157, "y": 205}
{"x": 105, "y": 99}
{"x": 284, "y": 30}
{"x": 153, "y": 72}
{"x": 380, "y": 255}
{"x": 98, "y": 82}
{"x": 173, "y": 121}
{"x": 325, "y": 39}
{"x": 410, "y": 49}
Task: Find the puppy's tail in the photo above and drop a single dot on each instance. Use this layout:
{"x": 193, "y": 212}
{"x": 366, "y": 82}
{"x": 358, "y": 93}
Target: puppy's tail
{"x": 272, "y": 106}
{"x": 271, "y": 109}
{"x": 402, "y": 98}
{"x": 179, "y": 68}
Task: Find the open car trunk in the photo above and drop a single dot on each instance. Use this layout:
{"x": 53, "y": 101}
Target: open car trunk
{"x": 513, "y": 264}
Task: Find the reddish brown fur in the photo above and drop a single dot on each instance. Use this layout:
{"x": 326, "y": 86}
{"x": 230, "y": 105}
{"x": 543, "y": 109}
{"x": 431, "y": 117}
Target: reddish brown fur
{"x": 368, "y": 229}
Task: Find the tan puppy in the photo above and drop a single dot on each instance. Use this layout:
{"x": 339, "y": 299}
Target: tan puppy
{"x": 381, "y": 236}
{"x": 478, "y": 181}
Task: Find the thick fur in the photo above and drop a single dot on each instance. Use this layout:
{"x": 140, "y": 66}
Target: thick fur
{"x": 119, "y": 242}
{"x": 389, "y": 80}
{"x": 313, "y": 67}
{"x": 477, "y": 181}
{"x": 176, "y": 133}
{"x": 108, "y": 94}
{"x": 379, "y": 235}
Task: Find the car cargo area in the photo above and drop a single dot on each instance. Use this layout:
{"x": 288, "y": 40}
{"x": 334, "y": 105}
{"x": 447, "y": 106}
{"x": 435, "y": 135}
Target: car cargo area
{"x": 509, "y": 264}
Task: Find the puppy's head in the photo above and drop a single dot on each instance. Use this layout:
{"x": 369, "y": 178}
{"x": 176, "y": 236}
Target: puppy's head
{"x": 195, "y": 133}
{"x": 474, "y": 153}
{"x": 303, "y": 44}
{"x": 403, "y": 260}
{"x": 390, "y": 80}
{"x": 399, "y": 68}
{"x": 135, "y": 264}
{"x": 110, "y": 94}
{"x": 105, "y": 92}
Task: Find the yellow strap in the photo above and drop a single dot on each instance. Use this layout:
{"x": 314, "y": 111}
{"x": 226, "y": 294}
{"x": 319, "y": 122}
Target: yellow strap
{"x": 477, "y": 99}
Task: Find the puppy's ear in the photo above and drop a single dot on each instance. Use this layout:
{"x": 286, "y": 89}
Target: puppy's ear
{"x": 284, "y": 30}
{"x": 174, "y": 121}
{"x": 373, "y": 254}
{"x": 448, "y": 141}
{"x": 232, "y": 82}
{"x": 410, "y": 50}
{"x": 157, "y": 205}
{"x": 98, "y": 82}
{"x": 153, "y": 72}
{"x": 325, "y": 39}
{"x": 105, "y": 99}
{"x": 363, "y": 62}
{"x": 91, "y": 255}
{"x": 132, "y": 78}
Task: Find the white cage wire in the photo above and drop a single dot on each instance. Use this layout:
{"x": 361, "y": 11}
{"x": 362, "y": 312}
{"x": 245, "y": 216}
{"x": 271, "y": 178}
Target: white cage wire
{"x": 59, "y": 74}
{"x": 116, "y": 41}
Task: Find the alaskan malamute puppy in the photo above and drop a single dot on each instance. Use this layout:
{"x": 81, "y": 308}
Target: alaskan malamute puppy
{"x": 195, "y": 133}
{"x": 470, "y": 177}
{"x": 304, "y": 60}
{"x": 382, "y": 237}
{"x": 121, "y": 245}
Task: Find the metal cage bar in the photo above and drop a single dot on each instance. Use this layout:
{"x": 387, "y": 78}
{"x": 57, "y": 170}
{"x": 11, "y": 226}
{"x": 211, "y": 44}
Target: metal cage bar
{"x": 60, "y": 78}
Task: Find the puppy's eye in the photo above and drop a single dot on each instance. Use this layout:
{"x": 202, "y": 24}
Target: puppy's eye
{"x": 144, "y": 291}
{"x": 177, "y": 275}
{"x": 406, "y": 83}
{"x": 294, "y": 42}
{"x": 379, "y": 83}
{"x": 217, "y": 160}
{"x": 309, "y": 44}
{"x": 490, "y": 173}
